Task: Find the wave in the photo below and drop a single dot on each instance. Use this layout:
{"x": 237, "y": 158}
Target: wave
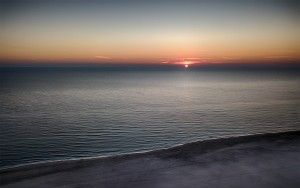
{"x": 179, "y": 151}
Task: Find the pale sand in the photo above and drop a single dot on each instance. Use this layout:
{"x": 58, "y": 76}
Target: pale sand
{"x": 271, "y": 160}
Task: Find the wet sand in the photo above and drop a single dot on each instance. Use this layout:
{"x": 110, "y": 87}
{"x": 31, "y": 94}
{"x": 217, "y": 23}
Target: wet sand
{"x": 269, "y": 160}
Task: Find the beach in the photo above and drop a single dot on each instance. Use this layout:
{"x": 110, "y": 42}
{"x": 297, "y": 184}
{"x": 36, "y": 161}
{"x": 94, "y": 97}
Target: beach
{"x": 263, "y": 160}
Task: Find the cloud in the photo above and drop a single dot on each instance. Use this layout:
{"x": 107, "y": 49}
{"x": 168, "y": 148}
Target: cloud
{"x": 102, "y": 57}
{"x": 186, "y": 60}
{"x": 279, "y": 57}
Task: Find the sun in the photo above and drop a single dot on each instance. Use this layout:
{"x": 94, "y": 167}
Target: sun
{"x": 186, "y": 66}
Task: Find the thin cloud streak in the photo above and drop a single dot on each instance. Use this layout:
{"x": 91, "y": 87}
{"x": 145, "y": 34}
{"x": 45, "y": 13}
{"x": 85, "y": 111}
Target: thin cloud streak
{"x": 102, "y": 57}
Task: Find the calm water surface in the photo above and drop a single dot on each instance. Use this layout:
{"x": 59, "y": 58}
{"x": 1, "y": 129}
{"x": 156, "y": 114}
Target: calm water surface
{"x": 62, "y": 114}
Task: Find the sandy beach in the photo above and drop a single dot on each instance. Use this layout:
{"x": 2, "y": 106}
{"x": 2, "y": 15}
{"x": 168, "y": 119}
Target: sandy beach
{"x": 269, "y": 160}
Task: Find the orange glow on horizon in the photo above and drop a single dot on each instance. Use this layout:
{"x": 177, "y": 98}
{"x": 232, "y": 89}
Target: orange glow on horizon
{"x": 173, "y": 33}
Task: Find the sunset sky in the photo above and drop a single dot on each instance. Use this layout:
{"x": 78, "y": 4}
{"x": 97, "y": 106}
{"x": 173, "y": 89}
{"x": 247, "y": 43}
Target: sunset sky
{"x": 149, "y": 31}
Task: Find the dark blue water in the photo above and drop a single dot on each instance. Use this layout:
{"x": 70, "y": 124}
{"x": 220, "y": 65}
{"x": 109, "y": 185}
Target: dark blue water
{"x": 51, "y": 114}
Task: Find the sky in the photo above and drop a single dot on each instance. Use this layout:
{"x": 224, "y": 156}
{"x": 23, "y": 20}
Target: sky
{"x": 165, "y": 31}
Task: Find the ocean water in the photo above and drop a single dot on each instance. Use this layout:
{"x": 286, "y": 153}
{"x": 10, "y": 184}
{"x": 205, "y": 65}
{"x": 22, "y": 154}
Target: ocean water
{"x": 62, "y": 113}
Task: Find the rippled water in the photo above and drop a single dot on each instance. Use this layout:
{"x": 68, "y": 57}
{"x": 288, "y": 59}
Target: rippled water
{"x": 59, "y": 114}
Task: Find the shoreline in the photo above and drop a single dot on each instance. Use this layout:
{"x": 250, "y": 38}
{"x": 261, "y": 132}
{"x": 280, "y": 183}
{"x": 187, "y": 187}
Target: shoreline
{"x": 40, "y": 169}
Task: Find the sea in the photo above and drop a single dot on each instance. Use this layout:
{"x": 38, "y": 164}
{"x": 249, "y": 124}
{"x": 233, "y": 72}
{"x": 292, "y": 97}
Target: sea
{"x": 50, "y": 113}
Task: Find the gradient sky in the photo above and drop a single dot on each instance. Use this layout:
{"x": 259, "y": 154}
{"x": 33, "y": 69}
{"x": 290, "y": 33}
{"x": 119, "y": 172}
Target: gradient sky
{"x": 149, "y": 31}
